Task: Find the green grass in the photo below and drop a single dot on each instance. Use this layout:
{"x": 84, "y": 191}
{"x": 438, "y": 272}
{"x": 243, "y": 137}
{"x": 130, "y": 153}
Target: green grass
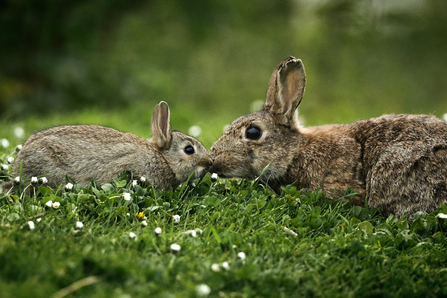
{"x": 298, "y": 243}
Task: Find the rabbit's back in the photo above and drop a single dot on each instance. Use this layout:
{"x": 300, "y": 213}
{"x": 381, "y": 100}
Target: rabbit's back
{"x": 404, "y": 161}
{"x": 90, "y": 152}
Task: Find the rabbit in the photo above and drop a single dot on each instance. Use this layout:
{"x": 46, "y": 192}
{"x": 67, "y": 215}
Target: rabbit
{"x": 398, "y": 163}
{"x": 88, "y": 153}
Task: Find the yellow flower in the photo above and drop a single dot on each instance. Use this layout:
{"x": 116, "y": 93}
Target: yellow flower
{"x": 140, "y": 215}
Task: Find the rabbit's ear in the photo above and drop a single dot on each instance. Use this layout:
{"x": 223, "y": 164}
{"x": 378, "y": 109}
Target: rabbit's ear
{"x": 285, "y": 91}
{"x": 161, "y": 127}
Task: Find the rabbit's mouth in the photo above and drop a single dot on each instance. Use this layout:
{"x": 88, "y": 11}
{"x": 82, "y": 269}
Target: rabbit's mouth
{"x": 227, "y": 170}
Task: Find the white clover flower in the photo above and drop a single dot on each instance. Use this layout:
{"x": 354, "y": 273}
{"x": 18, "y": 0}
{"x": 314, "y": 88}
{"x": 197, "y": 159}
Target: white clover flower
{"x": 144, "y": 223}
{"x": 5, "y": 167}
{"x": 31, "y": 225}
{"x": 5, "y": 143}
{"x": 19, "y": 147}
{"x": 79, "y": 224}
{"x": 444, "y": 117}
{"x": 19, "y": 132}
{"x": 241, "y": 255}
{"x": 143, "y": 179}
{"x": 49, "y": 204}
{"x": 17, "y": 179}
{"x": 157, "y": 231}
{"x": 132, "y": 235}
{"x": 225, "y": 266}
{"x": 175, "y": 247}
{"x": 176, "y": 218}
{"x": 195, "y": 131}
{"x": 43, "y": 180}
{"x": 135, "y": 182}
{"x": 214, "y": 177}
{"x": 34, "y": 180}
{"x": 191, "y": 233}
{"x": 56, "y": 205}
{"x": 69, "y": 186}
{"x": 442, "y": 215}
{"x": 10, "y": 159}
{"x": 215, "y": 267}
{"x": 203, "y": 290}
{"x": 39, "y": 219}
{"x": 127, "y": 196}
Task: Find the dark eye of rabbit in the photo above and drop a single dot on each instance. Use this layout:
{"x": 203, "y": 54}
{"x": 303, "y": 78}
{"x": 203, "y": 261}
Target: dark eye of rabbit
{"x": 189, "y": 150}
{"x": 253, "y": 133}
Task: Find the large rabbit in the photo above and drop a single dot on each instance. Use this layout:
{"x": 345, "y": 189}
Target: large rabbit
{"x": 399, "y": 162}
{"x": 90, "y": 152}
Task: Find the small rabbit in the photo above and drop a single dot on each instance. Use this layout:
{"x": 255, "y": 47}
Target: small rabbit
{"x": 398, "y": 162}
{"x": 90, "y": 152}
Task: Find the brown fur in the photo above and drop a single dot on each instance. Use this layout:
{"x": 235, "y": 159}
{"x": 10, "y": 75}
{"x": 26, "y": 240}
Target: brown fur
{"x": 90, "y": 152}
{"x": 399, "y": 162}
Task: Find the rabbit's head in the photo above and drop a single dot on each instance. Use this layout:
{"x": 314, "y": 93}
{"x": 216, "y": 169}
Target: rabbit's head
{"x": 264, "y": 140}
{"x": 184, "y": 154}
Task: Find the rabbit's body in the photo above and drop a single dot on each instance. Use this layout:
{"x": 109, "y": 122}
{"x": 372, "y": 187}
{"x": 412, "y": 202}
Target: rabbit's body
{"x": 399, "y": 162}
{"x": 88, "y": 153}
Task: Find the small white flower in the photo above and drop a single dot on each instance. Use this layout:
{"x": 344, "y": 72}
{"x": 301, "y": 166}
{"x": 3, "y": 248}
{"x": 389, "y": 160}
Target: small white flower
{"x": 49, "y": 204}
{"x": 203, "y": 290}
{"x": 144, "y": 223}
{"x": 79, "y": 224}
{"x": 69, "y": 186}
{"x": 132, "y": 235}
{"x": 442, "y": 215}
{"x": 290, "y": 231}
{"x": 157, "y": 231}
{"x": 5, "y": 167}
{"x": 43, "y": 180}
{"x": 31, "y": 225}
{"x": 19, "y": 147}
{"x": 10, "y": 159}
{"x": 175, "y": 247}
{"x": 34, "y": 180}
{"x": 56, "y": 205}
{"x": 143, "y": 179}
{"x": 214, "y": 177}
{"x": 241, "y": 255}
{"x": 225, "y": 266}
{"x": 444, "y": 117}
{"x": 19, "y": 132}
{"x": 17, "y": 179}
{"x": 135, "y": 182}
{"x": 191, "y": 233}
{"x": 176, "y": 218}
{"x": 127, "y": 196}
{"x": 195, "y": 131}
{"x": 5, "y": 143}
{"x": 215, "y": 267}
{"x": 39, "y": 219}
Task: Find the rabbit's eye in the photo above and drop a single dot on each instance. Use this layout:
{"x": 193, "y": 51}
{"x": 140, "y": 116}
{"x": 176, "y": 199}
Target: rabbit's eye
{"x": 253, "y": 133}
{"x": 189, "y": 150}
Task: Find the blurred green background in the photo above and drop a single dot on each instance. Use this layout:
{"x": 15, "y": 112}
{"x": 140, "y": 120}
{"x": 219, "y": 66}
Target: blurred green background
{"x": 109, "y": 62}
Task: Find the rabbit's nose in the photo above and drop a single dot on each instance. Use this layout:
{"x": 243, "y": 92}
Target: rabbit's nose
{"x": 207, "y": 163}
